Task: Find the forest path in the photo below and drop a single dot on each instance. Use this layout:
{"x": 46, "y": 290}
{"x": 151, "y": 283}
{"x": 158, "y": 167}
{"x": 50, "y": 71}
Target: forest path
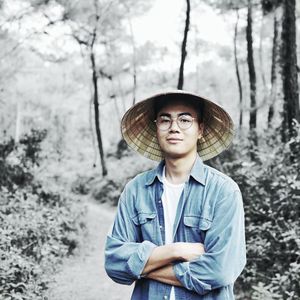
{"x": 82, "y": 276}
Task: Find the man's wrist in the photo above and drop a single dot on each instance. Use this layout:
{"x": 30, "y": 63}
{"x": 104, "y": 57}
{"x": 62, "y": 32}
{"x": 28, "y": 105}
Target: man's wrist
{"x": 173, "y": 251}
{"x": 177, "y": 251}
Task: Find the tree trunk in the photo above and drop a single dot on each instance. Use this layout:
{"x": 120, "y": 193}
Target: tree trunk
{"x": 134, "y": 84}
{"x": 289, "y": 70}
{"x": 261, "y": 62}
{"x": 96, "y": 94}
{"x": 237, "y": 70}
{"x": 133, "y": 63}
{"x": 18, "y": 121}
{"x": 97, "y": 115}
{"x": 183, "y": 46}
{"x": 273, "y": 70}
{"x": 91, "y": 105}
{"x": 252, "y": 76}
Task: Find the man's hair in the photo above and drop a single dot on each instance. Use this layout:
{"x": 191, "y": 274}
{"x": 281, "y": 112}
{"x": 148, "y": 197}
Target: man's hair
{"x": 165, "y": 100}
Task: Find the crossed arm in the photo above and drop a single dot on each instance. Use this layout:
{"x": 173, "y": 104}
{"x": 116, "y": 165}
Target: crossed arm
{"x": 219, "y": 265}
{"x": 159, "y": 265}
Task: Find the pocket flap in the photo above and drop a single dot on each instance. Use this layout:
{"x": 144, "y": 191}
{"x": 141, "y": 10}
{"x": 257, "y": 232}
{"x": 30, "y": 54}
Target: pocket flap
{"x": 142, "y": 218}
{"x": 198, "y": 222}
{"x": 204, "y": 224}
{"x": 191, "y": 221}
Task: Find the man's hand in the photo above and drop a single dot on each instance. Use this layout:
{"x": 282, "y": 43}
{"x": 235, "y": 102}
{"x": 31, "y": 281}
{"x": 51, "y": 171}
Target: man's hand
{"x": 165, "y": 275}
{"x": 189, "y": 251}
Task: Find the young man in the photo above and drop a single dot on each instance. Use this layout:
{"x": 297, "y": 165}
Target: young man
{"x": 179, "y": 229}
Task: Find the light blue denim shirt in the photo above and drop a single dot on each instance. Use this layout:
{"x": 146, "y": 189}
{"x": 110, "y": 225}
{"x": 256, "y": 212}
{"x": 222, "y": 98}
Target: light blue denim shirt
{"x": 210, "y": 211}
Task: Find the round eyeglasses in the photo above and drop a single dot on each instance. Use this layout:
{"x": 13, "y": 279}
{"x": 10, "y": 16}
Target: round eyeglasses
{"x": 183, "y": 122}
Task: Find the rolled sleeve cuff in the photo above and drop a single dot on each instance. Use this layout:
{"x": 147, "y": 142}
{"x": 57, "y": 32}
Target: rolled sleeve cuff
{"x": 183, "y": 274}
{"x": 137, "y": 261}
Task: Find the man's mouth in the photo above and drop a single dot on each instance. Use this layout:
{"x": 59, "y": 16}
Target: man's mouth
{"x": 174, "y": 140}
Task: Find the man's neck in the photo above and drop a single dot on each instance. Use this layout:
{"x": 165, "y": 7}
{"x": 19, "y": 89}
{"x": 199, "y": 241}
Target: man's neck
{"x": 179, "y": 169}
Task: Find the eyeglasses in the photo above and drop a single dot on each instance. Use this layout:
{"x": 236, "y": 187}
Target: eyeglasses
{"x": 183, "y": 122}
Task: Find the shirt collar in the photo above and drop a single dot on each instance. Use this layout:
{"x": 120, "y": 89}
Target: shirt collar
{"x": 197, "y": 172}
{"x": 156, "y": 173}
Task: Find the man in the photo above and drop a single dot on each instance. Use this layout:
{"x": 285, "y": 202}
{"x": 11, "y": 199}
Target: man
{"x": 179, "y": 229}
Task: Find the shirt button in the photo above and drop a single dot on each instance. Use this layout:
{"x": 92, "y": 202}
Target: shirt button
{"x": 161, "y": 228}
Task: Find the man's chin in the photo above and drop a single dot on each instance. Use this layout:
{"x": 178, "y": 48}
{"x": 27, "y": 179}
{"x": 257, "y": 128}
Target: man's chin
{"x": 174, "y": 155}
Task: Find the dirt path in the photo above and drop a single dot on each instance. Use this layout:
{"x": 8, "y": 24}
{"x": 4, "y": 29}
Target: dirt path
{"x": 83, "y": 276}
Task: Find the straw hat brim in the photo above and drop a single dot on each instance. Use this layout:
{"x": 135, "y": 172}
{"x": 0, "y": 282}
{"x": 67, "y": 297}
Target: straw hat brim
{"x": 139, "y": 130}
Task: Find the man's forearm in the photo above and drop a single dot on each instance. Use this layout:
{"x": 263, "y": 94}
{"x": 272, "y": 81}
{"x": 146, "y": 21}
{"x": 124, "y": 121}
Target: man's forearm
{"x": 161, "y": 256}
{"x": 165, "y": 275}
{"x": 164, "y": 255}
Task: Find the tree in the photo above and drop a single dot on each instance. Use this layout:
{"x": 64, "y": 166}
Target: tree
{"x": 96, "y": 93}
{"x": 274, "y": 67}
{"x": 237, "y": 6}
{"x": 289, "y": 70}
{"x": 100, "y": 30}
{"x": 85, "y": 30}
{"x": 252, "y": 75}
{"x": 134, "y": 57}
{"x": 97, "y": 26}
{"x": 183, "y": 46}
{"x": 273, "y": 7}
{"x": 237, "y": 72}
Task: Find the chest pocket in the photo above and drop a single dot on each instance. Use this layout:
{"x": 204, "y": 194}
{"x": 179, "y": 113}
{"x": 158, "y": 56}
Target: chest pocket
{"x": 146, "y": 226}
{"x": 195, "y": 228}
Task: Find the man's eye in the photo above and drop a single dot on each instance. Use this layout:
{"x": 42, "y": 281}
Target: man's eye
{"x": 185, "y": 120}
{"x": 165, "y": 120}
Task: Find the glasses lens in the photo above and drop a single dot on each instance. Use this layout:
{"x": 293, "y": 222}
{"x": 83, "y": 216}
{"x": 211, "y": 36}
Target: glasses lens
{"x": 163, "y": 123}
{"x": 185, "y": 122}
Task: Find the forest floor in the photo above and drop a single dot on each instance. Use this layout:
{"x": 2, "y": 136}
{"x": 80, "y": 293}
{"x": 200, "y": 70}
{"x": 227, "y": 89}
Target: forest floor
{"x": 82, "y": 276}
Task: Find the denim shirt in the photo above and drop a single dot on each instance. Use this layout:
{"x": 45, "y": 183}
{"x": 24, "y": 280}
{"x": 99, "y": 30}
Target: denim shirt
{"x": 210, "y": 211}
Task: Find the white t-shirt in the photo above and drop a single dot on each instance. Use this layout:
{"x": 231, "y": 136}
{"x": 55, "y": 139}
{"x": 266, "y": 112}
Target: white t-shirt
{"x": 170, "y": 199}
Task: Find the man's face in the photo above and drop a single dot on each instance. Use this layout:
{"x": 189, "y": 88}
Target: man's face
{"x": 178, "y": 141}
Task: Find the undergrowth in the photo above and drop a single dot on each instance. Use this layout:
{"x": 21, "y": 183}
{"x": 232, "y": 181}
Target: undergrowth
{"x": 39, "y": 227}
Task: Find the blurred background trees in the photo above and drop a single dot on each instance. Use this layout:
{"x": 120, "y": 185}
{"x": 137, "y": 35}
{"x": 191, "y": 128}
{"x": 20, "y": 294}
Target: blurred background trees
{"x": 70, "y": 69}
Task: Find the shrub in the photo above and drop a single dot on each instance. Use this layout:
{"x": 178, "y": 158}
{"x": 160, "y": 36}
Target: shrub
{"x": 34, "y": 238}
{"x": 121, "y": 170}
{"x": 39, "y": 227}
{"x": 16, "y": 160}
{"x": 271, "y": 190}
{"x": 109, "y": 191}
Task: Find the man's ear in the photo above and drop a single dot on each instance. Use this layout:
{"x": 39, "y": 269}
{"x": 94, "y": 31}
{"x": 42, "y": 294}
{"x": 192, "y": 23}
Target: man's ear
{"x": 201, "y": 130}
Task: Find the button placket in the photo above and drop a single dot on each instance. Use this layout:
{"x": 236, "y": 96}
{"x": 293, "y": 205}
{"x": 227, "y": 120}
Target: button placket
{"x": 160, "y": 210}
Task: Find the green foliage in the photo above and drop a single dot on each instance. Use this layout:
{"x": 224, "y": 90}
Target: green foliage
{"x": 271, "y": 191}
{"x": 269, "y": 6}
{"x": 32, "y": 146}
{"x": 17, "y": 159}
{"x": 34, "y": 237}
{"x": 38, "y": 226}
{"x": 108, "y": 189}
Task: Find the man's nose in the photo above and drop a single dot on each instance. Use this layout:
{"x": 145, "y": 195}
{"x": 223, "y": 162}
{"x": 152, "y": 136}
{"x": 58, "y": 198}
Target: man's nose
{"x": 174, "y": 126}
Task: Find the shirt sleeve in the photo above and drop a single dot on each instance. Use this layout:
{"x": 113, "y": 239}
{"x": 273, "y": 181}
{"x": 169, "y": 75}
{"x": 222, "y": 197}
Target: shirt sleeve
{"x": 225, "y": 255}
{"x": 125, "y": 258}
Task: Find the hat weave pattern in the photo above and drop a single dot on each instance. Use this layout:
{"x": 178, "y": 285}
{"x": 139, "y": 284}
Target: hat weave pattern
{"x": 139, "y": 130}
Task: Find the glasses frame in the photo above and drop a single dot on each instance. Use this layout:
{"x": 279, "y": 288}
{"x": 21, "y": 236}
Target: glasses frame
{"x": 172, "y": 119}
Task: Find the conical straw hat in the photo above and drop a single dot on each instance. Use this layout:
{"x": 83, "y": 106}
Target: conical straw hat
{"x": 139, "y": 129}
